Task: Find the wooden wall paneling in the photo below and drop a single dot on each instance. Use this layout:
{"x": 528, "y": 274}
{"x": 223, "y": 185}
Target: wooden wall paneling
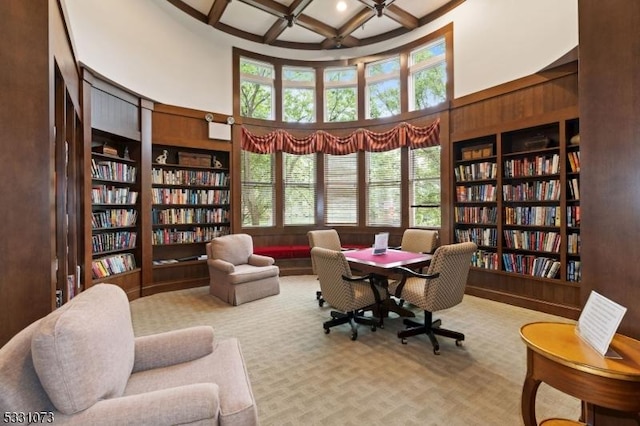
{"x": 33, "y": 42}
{"x": 609, "y": 140}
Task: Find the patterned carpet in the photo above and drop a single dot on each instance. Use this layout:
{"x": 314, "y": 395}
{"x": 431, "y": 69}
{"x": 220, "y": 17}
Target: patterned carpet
{"x": 300, "y": 376}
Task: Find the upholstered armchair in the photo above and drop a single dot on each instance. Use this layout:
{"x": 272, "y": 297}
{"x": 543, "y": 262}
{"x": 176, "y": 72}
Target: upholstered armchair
{"x": 82, "y": 365}
{"x": 325, "y": 238}
{"x": 441, "y": 287}
{"x": 349, "y": 296}
{"x": 236, "y": 274}
{"x": 419, "y": 240}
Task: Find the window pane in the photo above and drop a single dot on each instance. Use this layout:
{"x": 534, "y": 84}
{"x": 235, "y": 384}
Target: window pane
{"x": 299, "y": 189}
{"x": 383, "y": 188}
{"x": 256, "y": 89}
{"x": 384, "y": 99}
{"x": 299, "y": 98}
{"x": 430, "y": 86}
{"x": 299, "y": 105}
{"x": 383, "y": 88}
{"x": 341, "y": 94}
{"x": 425, "y": 187}
{"x": 341, "y": 189}
{"x": 341, "y": 104}
{"x": 258, "y": 181}
{"x": 428, "y": 75}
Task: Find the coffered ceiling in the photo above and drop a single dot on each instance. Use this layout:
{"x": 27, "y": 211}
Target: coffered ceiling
{"x": 316, "y": 24}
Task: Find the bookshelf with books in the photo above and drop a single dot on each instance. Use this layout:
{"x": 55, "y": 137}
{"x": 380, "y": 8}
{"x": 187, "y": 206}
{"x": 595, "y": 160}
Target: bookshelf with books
{"x": 520, "y": 204}
{"x": 115, "y": 154}
{"x": 475, "y": 209}
{"x": 190, "y": 197}
{"x": 574, "y": 264}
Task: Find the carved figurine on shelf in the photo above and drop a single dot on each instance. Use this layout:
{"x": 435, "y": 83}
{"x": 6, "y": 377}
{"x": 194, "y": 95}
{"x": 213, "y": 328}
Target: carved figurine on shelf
{"x": 125, "y": 155}
{"x": 162, "y": 158}
{"x": 217, "y": 164}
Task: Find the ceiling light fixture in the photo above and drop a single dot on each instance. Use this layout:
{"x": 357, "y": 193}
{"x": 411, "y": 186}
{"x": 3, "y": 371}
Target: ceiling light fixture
{"x": 341, "y": 6}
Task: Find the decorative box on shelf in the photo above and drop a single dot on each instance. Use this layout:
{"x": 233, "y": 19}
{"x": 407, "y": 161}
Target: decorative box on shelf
{"x": 194, "y": 159}
{"x": 532, "y": 143}
{"x": 477, "y": 151}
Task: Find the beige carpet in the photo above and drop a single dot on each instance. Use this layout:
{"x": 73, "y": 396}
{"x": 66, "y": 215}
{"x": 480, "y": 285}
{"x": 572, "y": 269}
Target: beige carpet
{"x": 300, "y": 376}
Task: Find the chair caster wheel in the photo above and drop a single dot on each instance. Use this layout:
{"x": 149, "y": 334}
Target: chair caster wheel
{"x": 458, "y": 342}
{"x": 373, "y": 328}
{"x": 436, "y": 351}
{"x": 354, "y": 336}
{"x": 403, "y": 341}
{"x": 326, "y": 331}
{"x": 321, "y": 303}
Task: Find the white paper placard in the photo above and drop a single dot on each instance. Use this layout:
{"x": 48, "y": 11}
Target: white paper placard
{"x": 599, "y": 321}
{"x": 381, "y": 243}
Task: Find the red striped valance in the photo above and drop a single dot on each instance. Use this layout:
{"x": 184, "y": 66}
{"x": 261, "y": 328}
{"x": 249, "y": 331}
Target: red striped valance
{"x": 404, "y": 134}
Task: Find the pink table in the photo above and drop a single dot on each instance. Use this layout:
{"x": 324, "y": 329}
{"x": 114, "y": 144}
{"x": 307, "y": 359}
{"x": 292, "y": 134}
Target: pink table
{"x": 381, "y": 267}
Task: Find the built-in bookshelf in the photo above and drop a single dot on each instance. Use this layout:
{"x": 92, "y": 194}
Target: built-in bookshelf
{"x": 476, "y": 208}
{"x": 114, "y": 205}
{"x": 517, "y": 197}
{"x": 574, "y": 264}
{"x": 190, "y": 202}
{"x": 117, "y": 151}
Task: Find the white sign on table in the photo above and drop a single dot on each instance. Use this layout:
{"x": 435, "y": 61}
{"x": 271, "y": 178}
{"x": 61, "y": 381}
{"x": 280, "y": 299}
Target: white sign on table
{"x": 599, "y": 321}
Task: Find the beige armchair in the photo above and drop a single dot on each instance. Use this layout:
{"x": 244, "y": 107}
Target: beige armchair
{"x": 325, "y": 238}
{"x": 236, "y": 274}
{"x": 82, "y": 365}
{"x": 442, "y": 287}
{"x": 419, "y": 240}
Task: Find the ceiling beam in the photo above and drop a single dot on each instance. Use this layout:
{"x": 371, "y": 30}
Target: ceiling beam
{"x": 401, "y": 16}
{"x": 216, "y": 11}
{"x": 270, "y": 6}
{"x": 281, "y": 24}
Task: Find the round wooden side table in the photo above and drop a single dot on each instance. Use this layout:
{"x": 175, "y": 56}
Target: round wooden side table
{"x": 557, "y": 356}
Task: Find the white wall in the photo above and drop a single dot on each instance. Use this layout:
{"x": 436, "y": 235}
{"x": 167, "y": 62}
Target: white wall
{"x": 159, "y": 52}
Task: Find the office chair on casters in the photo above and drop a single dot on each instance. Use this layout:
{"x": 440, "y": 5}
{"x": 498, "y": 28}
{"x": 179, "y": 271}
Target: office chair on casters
{"x": 350, "y": 296}
{"x": 419, "y": 240}
{"x": 441, "y": 287}
{"x": 325, "y": 238}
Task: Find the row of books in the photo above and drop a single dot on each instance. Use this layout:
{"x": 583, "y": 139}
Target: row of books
{"x": 189, "y": 196}
{"x": 531, "y": 265}
{"x": 532, "y": 240}
{"x": 189, "y": 216}
{"x": 481, "y": 236}
{"x": 537, "y": 166}
{"x": 110, "y": 241}
{"x": 113, "y": 218}
{"x": 189, "y": 177}
{"x": 103, "y": 194}
{"x": 113, "y": 170}
{"x": 573, "y": 216}
{"x": 112, "y": 265}
{"x": 545, "y": 190}
{"x": 482, "y": 193}
{"x": 574, "y": 271}
{"x": 573, "y": 243}
{"x": 486, "y": 215}
{"x": 476, "y": 171}
{"x": 532, "y": 215}
{"x": 195, "y": 235}
{"x": 485, "y": 259}
{"x": 574, "y": 161}
{"x": 574, "y": 188}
